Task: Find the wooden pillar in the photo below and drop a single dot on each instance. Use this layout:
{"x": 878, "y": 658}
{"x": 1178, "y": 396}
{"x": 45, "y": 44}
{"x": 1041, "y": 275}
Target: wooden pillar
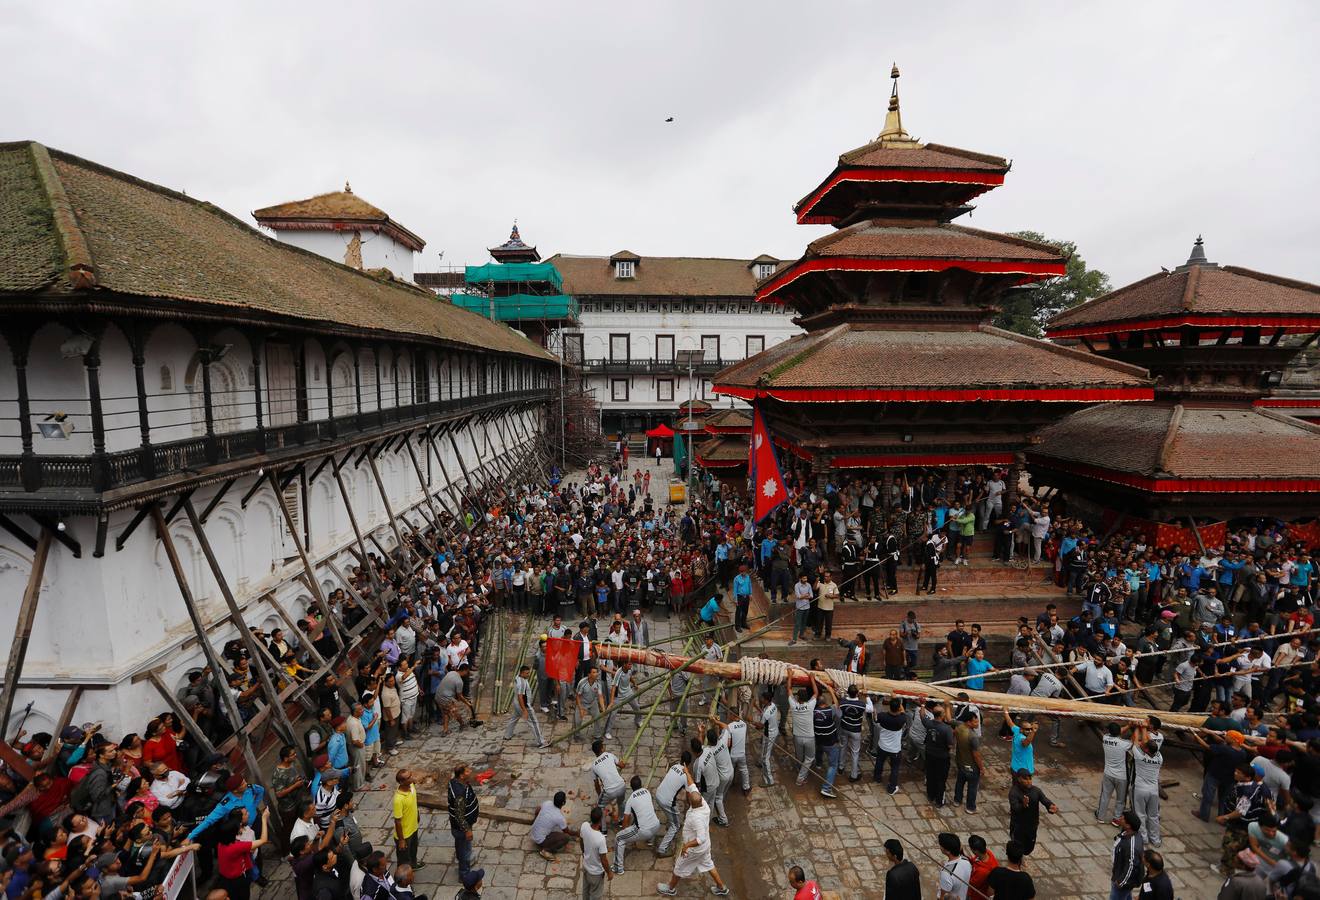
{"x": 352, "y": 520}
{"x": 312, "y": 584}
{"x": 66, "y": 716}
{"x": 1013, "y": 477}
{"x": 148, "y": 459}
{"x": 227, "y": 700}
{"x": 357, "y": 378}
{"x": 258, "y": 347}
{"x": 92, "y": 362}
{"x": 29, "y": 468}
{"x": 27, "y": 614}
{"x": 249, "y": 643}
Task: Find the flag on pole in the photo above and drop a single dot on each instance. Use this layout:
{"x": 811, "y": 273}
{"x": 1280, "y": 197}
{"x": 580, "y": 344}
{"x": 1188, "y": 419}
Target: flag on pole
{"x": 767, "y": 479}
{"x": 561, "y": 659}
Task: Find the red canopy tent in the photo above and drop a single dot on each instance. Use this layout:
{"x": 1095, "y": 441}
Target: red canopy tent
{"x": 661, "y": 436}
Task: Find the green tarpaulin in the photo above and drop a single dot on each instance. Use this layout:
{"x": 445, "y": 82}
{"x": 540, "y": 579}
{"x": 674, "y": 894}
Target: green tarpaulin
{"x": 506, "y": 272}
{"x": 680, "y": 455}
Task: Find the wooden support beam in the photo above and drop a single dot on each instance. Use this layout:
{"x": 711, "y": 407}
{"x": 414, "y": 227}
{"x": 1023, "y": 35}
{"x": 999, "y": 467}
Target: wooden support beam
{"x": 245, "y": 635}
{"x": 13, "y": 528}
{"x": 288, "y": 479}
{"x": 66, "y": 716}
{"x": 367, "y": 607}
{"x": 228, "y": 702}
{"x": 320, "y": 468}
{"x": 312, "y": 584}
{"x": 421, "y": 481}
{"x": 177, "y": 507}
{"x": 293, "y": 628}
{"x": 215, "y": 501}
{"x": 63, "y": 537}
{"x": 251, "y": 492}
{"x": 27, "y": 614}
{"x": 352, "y": 520}
{"x": 455, "y": 494}
{"x": 189, "y": 724}
{"x": 389, "y": 510}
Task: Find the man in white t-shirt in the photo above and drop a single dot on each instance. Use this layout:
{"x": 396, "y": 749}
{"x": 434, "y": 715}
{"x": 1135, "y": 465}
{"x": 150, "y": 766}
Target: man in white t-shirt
{"x": 801, "y": 712}
{"x": 1147, "y": 760}
{"x": 1114, "y": 779}
{"x": 595, "y": 857}
{"x": 955, "y": 871}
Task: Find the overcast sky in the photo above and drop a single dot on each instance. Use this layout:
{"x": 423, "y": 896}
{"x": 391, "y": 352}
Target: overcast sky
{"x": 1132, "y": 126}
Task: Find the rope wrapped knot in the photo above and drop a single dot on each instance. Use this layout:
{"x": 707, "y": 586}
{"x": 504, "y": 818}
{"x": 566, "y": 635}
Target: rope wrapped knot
{"x": 844, "y": 680}
{"x": 765, "y": 671}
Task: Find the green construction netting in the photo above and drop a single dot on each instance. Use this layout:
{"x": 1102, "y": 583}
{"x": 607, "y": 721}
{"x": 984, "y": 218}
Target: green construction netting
{"x": 520, "y": 306}
{"x": 505, "y": 272}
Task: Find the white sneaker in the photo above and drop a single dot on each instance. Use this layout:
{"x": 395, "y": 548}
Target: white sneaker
{"x": 667, "y": 890}
{"x": 608, "y": 736}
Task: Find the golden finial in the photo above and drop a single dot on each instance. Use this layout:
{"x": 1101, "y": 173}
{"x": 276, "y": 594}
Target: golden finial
{"x": 893, "y": 132}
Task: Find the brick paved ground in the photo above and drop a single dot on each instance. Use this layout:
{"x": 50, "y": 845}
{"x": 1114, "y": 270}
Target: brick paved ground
{"x": 837, "y": 841}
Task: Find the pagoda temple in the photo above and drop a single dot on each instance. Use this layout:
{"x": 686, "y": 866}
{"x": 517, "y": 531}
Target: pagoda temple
{"x": 900, "y": 365}
{"x": 518, "y": 290}
{"x": 724, "y": 454}
{"x": 1210, "y": 448}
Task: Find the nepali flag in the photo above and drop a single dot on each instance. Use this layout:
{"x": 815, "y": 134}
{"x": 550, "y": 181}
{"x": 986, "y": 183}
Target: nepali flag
{"x": 767, "y": 480}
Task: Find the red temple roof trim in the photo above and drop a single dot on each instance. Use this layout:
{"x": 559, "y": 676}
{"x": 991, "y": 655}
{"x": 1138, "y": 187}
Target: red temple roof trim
{"x": 1029, "y": 271}
{"x": 1182, "y": 485}
{"x": 926, "y": 395}
{"x": 1292, "y": 323}
{"x": 882, "y": 461}
{"x": 988, "y": 179}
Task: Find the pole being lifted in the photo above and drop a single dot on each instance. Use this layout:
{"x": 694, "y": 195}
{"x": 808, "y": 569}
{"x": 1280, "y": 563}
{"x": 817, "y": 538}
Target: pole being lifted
{"x": 914, "y": 690}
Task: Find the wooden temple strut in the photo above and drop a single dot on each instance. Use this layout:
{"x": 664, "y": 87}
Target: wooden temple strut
{"x": 337, "y": 468}
{"x": 799, "y": 677}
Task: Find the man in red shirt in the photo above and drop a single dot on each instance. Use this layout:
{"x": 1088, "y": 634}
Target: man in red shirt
{"x": 804, "y": 890}
{"x": 983, "y": 863}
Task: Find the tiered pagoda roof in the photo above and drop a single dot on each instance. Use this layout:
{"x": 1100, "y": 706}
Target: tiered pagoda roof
{"x": 514, "y": 250}
{"x": 897, "y": 301}
{"x": 1216, "y": 335}
{"x": 729, "y": 421}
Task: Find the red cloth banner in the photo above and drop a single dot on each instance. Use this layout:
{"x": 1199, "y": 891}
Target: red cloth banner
{"x": 561, "y": 658}
{"x": 1300, "y": 323}
{"x": 767, "y": 479}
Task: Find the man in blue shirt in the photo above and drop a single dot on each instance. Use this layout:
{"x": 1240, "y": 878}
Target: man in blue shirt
{"x": 742, "y": 597}
{"x": 768, "y": 544}
{"x": 337, "y": 748}
{"x": 710, "y": 610}
{"x": 238, "y": 794}
{"x": 1024, "y": 754}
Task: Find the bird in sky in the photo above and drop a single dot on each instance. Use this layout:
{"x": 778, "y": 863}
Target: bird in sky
{"x": 670, "y": 119}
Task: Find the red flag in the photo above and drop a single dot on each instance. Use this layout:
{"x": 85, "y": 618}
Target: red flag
{"x": 561, "y": 658}
{"x": 767, "y": 480}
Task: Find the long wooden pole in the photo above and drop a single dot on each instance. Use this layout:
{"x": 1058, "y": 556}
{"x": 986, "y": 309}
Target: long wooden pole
{"x": 259, "y": 662}
{"x": 227, "y": 700}
{"x": 916, "y": 690}
{"x": 27, "y": 614}
{"x": 404, "y": 552}
{"x": 352, "y": 520}
{"x": 312, "y": 584}
{"x": 455, "y": 492}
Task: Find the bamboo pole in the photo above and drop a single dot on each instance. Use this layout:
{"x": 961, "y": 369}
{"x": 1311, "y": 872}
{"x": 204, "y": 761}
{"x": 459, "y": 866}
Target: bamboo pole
{"x": 915, "y": 690}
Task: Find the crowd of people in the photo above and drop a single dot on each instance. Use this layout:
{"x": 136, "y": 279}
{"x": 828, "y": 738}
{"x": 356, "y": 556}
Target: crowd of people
{"x": 1226, "y": 632}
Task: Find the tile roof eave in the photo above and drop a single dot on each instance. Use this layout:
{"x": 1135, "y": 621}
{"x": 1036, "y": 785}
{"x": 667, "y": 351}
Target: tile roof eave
{"x": 107, "y": 302}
